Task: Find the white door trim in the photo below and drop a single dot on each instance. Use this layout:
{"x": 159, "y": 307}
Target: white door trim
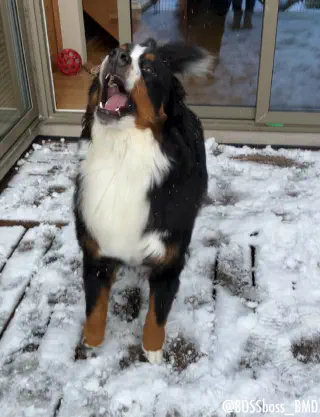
{"x": 72, "y": 26}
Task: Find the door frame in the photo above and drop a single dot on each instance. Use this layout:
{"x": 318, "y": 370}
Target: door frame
{"x": 22, "y": 125}
{"x": 49, "y": 114}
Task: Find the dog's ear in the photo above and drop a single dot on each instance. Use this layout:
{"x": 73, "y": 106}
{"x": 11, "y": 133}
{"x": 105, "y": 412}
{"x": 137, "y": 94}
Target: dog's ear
{"x": 177, "y": 95}
{"x": 185, "y": 59}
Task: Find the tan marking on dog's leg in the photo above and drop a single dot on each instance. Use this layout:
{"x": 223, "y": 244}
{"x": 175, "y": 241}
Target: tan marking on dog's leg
{"x": 153, "y": 335}
{"x": 95, "y": 326}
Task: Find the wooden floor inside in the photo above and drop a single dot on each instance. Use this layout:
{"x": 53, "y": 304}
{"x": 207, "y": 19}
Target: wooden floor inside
{"x": 71, "y": 92}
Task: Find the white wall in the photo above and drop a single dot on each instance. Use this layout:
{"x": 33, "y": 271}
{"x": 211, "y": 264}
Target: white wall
{"x": 72, "y": 26}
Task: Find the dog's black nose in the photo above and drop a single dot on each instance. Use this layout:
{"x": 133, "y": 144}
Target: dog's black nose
{"x": 119, "y": 58}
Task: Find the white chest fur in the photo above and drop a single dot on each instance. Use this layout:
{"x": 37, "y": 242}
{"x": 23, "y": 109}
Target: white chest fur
{"x": 121, "y": 165}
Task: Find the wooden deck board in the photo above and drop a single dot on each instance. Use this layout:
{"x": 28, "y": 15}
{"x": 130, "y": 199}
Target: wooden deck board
{"x": 234, "y": 269}
{"x": 42, "y": 188}
{"x": 19, "y": 269}
{"x": 9, "y": 238}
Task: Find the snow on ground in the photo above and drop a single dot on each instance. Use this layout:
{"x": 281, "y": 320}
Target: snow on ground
{"x": 244, "y": 326}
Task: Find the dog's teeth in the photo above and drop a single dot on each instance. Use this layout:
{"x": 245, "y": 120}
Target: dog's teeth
{"x": 111, "y": 82}
{"x": 101, "y": 105}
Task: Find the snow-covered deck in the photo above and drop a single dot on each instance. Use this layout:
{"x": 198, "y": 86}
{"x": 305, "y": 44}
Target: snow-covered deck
{"x": 245, "y": 324}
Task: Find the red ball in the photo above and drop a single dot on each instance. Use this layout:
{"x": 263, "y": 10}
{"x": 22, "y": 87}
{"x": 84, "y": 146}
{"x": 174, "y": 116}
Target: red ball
{"x": 69, "y": 62}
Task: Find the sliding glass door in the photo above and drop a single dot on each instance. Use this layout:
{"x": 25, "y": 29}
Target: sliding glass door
{"x": 266, "y": 55}
{"x": 17, "y": 98}
{"x": 266, "y": 52}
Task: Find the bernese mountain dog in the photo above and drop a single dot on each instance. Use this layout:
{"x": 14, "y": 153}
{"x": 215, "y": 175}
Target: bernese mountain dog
{"x": 141, "y": 184}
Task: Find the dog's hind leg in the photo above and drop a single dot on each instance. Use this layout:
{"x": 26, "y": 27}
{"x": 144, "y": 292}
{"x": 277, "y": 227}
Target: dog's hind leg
{"x": 164, "y": 285}
{"x": 98, "y": 277}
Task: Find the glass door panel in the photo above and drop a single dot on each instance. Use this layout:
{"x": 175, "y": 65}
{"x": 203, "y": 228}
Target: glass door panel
{"x": 289, "y": 83}
{"x": 15, "y": 100}
{"x": 18, "y": 103}
{"x": 229, "y": 29}
{"x": 296, "y": 77}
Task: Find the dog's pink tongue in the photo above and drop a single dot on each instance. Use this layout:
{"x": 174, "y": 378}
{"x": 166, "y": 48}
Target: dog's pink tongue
{"x": 112, "y": 91}
{"x": 115, "y": 102}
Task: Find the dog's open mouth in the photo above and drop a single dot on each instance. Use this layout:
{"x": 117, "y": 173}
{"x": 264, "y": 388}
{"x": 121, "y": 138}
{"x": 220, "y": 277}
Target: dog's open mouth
{"x": 114, "y": 100}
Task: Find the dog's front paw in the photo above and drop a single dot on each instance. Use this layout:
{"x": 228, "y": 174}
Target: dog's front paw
{"x": 88, "y": 345}
{"x": 92, "y": 338}
{"x": 154, "y": 357}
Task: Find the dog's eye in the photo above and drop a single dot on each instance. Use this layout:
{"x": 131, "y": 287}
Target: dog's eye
{"x": 149, "y": 70}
